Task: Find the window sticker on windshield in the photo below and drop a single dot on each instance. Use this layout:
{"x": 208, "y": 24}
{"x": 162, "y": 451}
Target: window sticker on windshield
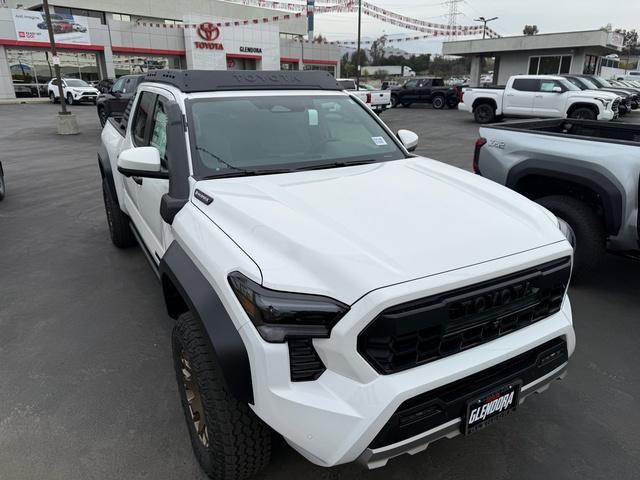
{"x": 313, "y": 117}
{"x": 379, "y": 141}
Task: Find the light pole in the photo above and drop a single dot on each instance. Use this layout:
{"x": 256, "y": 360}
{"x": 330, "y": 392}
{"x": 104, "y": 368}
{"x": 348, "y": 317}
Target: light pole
{"x": 358, "y": 50}
{"x": 484, "y": 21}
{"x": 67, "y": 123}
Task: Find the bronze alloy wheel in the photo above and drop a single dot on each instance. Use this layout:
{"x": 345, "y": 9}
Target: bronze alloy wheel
{"x": 192, "y": 393}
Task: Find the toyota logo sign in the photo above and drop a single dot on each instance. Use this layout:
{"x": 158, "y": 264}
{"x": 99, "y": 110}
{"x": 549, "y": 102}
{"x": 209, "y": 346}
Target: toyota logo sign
{"x": 208, "y": 31}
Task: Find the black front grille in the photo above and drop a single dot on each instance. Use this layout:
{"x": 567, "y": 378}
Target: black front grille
{"x": 615, "y": 105}
{"x": 304, "y": 363}
{"x": 431, "y": 409}
{"x": 431, "y": 328}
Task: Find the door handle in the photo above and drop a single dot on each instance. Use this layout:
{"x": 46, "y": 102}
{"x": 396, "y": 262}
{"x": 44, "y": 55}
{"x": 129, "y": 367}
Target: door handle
{"x": 538, "y": 96}
{"x": 138, "y": 180}
{"x": 509, "y": 94}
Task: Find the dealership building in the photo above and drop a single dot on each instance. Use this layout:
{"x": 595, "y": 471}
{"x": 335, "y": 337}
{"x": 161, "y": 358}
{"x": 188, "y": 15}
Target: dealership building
{"x": 99, "y": 39}
{"x": 586, "y": 52}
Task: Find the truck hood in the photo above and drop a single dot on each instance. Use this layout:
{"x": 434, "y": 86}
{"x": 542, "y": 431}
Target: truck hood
{"x": 346, "y": 231}
{"x": 594, "y": 94}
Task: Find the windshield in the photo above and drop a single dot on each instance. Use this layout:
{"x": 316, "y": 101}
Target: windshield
{"x": 590, "y": 85}
{"x": 267, "y": 134}
{"x": 603, "y": 82}
{"x": 568, "y": 85}
{"x": 347, "y": 84}
{"x": 77, "y": 83}
{"x": 577, "y": 83}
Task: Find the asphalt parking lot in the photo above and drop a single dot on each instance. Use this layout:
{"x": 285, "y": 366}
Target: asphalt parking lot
{"x": 88, "y": 390}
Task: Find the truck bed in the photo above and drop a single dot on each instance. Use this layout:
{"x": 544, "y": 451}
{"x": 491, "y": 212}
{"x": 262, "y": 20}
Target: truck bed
{"x": 628, "y": 134}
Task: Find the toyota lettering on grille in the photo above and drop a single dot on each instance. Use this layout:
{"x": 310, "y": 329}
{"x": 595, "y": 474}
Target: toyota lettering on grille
{"x": 487, "y": 301}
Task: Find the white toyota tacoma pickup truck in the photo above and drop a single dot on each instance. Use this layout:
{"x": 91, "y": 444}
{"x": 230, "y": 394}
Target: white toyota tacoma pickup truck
{"x": 326, "y": 283}
{"x": 546, "y": 96}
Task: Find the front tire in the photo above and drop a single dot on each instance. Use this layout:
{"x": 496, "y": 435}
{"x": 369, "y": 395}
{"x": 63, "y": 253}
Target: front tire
{"x": 2, "y": 186}
{"x": 588, "y": 230}
{"x": 484, "y": 114}
{"x": 228, "y": 439}
{"x": 102, "y": 115}
{"x": 583, "y": 113}
{"x": 119, "y": 229}
{"x": 69, "y": 99}
{"x": 394, "y": 101}
{"x": 438, "y": 102}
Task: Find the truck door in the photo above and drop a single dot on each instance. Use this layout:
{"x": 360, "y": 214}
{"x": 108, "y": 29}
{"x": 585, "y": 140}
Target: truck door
{"x": 547, "y": 102}
{"x": 518, "y": 98}
{"x": 409, "y": 91}
{"x": 424, "y": 90}
{"x": 151, "y": 190}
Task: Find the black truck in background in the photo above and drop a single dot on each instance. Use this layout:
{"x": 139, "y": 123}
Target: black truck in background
{"x": 113, "y": 102}
{"x": 425, "y": 90}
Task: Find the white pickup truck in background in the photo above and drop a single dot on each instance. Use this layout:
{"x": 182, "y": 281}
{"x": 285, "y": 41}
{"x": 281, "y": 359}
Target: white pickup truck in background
{"x": 547, "y": 96}
{"x": 377, "y": 100}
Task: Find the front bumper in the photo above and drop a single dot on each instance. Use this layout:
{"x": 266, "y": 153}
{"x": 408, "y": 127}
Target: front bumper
{"x": 607, "y": 115}
{"x": 335, "y": 419}
{"x": 375, "y": 458}
{"x": 85, "y": 96}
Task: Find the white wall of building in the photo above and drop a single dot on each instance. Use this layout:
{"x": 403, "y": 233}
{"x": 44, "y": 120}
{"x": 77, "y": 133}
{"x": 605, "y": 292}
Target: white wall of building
{"x": 174, "y": 10}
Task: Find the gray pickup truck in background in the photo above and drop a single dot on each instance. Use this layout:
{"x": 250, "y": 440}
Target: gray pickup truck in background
{"x": 586, "y": 172}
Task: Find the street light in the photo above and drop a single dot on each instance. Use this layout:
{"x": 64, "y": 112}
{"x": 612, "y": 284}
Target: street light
{"x": 67, "y": 123}
{"x": 358, "y": 50}
{"x": 484, "y": 21}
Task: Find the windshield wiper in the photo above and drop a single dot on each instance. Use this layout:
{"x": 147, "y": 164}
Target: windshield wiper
{"x": 227, "y": 164}
{"x": 336, "y": 164}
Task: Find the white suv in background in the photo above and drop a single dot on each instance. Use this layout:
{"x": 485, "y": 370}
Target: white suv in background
{"x": 74, "y": 90}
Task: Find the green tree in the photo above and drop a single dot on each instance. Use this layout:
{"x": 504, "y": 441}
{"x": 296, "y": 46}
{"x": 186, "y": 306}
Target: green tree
{"x": 530, "y": 30}
{"x": 377, "y": 50}
{"x": 363, "y": 58}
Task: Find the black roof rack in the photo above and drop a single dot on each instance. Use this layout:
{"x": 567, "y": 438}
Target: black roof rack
{"x": 190, "y": 81}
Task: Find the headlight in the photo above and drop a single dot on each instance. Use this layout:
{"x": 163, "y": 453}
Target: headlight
{"x": 76, "y": 91}
{"x": 281, "y": 315}
{"x": 604, "y": 101}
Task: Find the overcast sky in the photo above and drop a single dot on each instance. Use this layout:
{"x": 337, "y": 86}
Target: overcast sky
{"x": 549, "y": 15}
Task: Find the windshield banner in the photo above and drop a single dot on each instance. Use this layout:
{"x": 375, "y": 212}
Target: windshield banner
{"x": 32, "y": 27}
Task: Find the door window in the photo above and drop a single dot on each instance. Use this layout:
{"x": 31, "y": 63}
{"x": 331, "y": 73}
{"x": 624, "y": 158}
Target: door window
{"x": 547, "y": 86}
{"x": 411, "y": 84}
{"x": 144, "y": 110}
{"x": 159, "y": 129}
{"x": 117, "y": 87}
{"x": 526, "y": 84}
{"x": 128, "y": 85}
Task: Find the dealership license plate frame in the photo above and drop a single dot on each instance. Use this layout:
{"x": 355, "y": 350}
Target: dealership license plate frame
{"x": 478, "y": 401}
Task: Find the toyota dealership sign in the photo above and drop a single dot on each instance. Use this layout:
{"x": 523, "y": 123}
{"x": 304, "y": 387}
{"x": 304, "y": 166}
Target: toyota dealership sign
{"x": 208, "y": 33}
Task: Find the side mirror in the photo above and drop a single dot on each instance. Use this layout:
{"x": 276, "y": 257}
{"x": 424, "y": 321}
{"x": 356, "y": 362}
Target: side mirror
{"x": 141, "y": 162}
{"x": 409, "y": 139}
{"x": 556, "y": 89}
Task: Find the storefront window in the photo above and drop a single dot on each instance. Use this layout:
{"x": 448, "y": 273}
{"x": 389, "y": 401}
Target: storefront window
{"x": 136, "y": 64}
{"x": 590, "y": 65}
{"x": 327, "y": 68}
{"x": 289, "y": 65}
{"x": 31, "y": 70}
{"x": 550, "y": 65}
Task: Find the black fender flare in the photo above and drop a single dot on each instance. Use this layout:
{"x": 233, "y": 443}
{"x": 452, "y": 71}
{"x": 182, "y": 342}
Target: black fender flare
{"x": 203, "y": 302}
{"x": 593, "y": 177}
{"x": 106, "y": 172}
